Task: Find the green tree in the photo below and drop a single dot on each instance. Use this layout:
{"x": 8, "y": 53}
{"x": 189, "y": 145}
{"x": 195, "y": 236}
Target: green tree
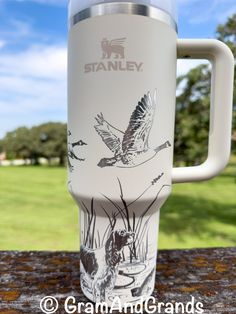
{"x": 47, "y": 140}
{"x": 193, "y": 102}
{"x": 1, "y": 146}
{"x": 227, "y": 33}
{"x": 17, "y": 144}
{"x": 192, "y": 117}
{"x": 50, "y": 141}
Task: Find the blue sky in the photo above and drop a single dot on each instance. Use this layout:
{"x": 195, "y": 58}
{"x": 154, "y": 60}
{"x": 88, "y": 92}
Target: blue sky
{"x": 33, "y": 36}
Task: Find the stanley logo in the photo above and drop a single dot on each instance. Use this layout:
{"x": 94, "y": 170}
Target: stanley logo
{"x": 113, "y": 58}
{"x": 114, "y": 48}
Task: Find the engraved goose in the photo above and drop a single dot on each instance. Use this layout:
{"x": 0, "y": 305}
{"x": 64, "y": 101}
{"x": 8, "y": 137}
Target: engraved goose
{"x": 130, "y": 148}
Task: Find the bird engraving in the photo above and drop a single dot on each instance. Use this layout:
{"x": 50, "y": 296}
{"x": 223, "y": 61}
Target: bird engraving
{"x": 72, "y": 155}
{"x": 130, "y": 148}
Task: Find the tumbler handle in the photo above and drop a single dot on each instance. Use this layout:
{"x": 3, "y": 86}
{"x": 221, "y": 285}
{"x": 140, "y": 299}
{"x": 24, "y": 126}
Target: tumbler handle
{"x": 219, "y": 142}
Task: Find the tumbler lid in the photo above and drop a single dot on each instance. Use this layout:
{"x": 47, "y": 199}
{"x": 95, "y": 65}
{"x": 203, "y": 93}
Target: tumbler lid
{"x": 168, "y": 6}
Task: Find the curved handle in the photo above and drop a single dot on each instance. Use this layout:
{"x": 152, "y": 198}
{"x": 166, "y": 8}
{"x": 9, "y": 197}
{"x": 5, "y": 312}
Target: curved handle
{"x": 219, "y": 144}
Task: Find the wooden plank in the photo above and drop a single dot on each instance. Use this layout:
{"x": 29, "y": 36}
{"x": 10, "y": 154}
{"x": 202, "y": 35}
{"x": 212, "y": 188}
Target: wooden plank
{"x": 209, "y": 275}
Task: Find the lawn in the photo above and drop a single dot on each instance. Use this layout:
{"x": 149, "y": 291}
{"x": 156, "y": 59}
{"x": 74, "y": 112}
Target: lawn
{"x": 37, "y": 212}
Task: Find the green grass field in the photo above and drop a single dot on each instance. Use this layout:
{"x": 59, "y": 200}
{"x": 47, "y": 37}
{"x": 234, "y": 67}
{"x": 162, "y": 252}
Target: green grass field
{"x": 37, "y": 213}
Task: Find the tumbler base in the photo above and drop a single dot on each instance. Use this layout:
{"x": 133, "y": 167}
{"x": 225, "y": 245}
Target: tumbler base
{"x": 118, "y": 303}
{"x": 136, "y": 289}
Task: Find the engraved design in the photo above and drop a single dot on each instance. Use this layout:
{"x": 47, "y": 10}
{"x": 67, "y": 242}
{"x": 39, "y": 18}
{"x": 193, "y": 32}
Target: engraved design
{"x": 102, "y": 264}
{"x": 71, "y": 154}
{"x": 118, "y": 260}
{"x": 130, "y": 148}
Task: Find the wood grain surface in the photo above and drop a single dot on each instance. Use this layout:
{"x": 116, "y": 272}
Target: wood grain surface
{"x": 208, "y": 275}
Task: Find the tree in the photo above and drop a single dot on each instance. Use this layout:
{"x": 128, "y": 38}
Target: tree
{"x": 17, "y": 143}
{"x": 227, "y": 34}
{"x": 47, "y": 140}
{"x": 1, "y": 146}
{"x": 193, "y": 102}
{"x": 192, "y": 117}
{"x": 51, "y": 141}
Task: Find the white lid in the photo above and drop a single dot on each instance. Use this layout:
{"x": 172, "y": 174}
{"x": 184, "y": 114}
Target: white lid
{"x": 169, "y": 6}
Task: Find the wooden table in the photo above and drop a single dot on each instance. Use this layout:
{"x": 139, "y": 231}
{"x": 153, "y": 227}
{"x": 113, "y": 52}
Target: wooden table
{"x": 209, "y": 275}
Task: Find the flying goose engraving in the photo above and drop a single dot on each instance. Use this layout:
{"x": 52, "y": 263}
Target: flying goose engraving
{"x": 71, "y": 155}
{"x": 130, "y": 148}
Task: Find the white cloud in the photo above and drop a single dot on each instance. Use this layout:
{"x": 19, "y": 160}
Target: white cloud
{"x": 18, "y": 32}
{"x": 45, "y": 62}
{"x": 186, "y": 2}
{"x": 32, "y": 78}
{"x": 199, "y": 11}
{"x": 2, "y": 43}
{"x": 48, "y": 2}
{"x": 183, "y": 66}
{"x": 33, "y": 86}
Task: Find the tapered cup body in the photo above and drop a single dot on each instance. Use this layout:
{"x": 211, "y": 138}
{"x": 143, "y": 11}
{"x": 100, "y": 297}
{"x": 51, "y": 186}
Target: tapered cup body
{"x": 121, "y": 92}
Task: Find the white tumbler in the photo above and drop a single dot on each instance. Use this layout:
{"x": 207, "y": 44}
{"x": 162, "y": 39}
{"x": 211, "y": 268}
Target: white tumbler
{"x": 121, "y": 114}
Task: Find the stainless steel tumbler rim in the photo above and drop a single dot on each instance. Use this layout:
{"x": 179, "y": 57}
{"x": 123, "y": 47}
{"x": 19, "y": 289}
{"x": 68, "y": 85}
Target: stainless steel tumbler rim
{"x": 124, "y": 8}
